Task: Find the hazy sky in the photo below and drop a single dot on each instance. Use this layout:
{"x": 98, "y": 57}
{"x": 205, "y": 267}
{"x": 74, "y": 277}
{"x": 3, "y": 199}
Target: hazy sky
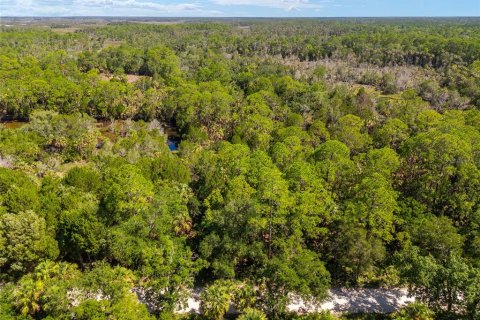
{"x": 240, "y": 8}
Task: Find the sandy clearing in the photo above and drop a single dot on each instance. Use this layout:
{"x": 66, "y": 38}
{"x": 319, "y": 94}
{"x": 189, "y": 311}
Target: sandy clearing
{"x": 341, "y": 300}
{"x": 376, "y": 300}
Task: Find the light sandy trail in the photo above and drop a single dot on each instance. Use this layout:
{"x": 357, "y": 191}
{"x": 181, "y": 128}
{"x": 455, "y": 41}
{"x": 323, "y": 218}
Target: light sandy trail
{"x": 376, "y": 300}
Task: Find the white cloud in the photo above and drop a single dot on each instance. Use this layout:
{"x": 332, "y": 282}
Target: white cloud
{"x": 289, "y": 5}
{"x": 152, "y": 7}
{"x": 137, "y": 4}
{"x": 101, "y": 7}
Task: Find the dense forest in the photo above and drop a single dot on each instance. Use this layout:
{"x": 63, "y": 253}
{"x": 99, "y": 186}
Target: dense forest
{"x": 309, "y": 154}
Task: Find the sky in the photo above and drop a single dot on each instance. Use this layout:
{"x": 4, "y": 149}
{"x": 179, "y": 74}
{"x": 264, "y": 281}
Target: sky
{"x": 241, "y": 8}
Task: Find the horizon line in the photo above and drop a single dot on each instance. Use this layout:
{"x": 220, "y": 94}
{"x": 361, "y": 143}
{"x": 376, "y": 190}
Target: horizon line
{"x": 237, "y": 17}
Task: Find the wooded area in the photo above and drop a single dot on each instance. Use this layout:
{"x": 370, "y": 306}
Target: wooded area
{"x": 313, "y": 154}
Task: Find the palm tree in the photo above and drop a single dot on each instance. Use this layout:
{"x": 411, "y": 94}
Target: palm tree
{"x": 252, "y": 314}
{"x": 215, "y": 301}
{"x": 27, "y": 295}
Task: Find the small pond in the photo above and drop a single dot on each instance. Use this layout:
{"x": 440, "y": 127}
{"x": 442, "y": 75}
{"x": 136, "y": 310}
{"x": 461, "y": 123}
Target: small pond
{"x": 173, "y": 138}
{"x": 173, "y": 143}
{"x": 12, "y": 124}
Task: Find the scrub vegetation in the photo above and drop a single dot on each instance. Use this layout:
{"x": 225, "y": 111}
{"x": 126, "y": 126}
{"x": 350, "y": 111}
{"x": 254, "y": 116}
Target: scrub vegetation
{"x": 311, "y": 154}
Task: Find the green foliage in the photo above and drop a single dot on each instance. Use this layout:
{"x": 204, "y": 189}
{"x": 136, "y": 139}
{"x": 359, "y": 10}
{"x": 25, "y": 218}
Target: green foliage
{"x": 80, "y": 233}
{"x": 216, "y": 300}
{"x": 332, "y": 160}
{"x": 317, "y": 316}
{"x": 349, "y": 130}
{"x": 74, "y": 135}
{"x": 161, "y": 62}
{"x": 17, "y": 191}
{"x": 7, "y": 309}
{"x": 392, "y": 133}
{"x": 45, "y": 290}
{"x": 252, "y": 314}
{"x": 127, "y": 193}
{"x": 414, "y": 311}
{"x": 437, "y": 236}
{"x": 24, "y": 242}
{"x": 84, "y": 178}
{"x": 208, "y": 105}
{"x": 373, "y": 206}
{"x": 441, "y": 283}
{"x": 358, "y": 254}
